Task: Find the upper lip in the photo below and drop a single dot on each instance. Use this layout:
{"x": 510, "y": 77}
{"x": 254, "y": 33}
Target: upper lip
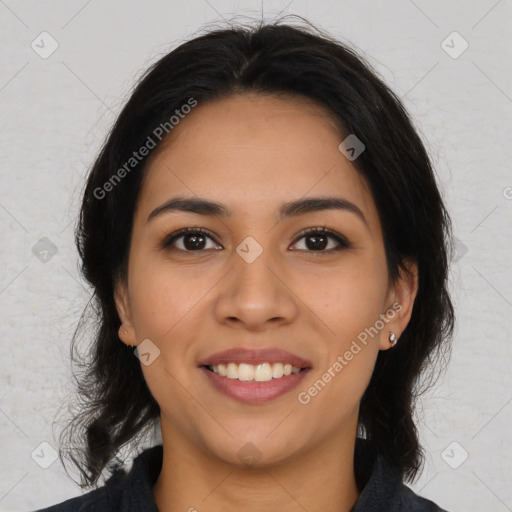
{"x": 254, "y": 357}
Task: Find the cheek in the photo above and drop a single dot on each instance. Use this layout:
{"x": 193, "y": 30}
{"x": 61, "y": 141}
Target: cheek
{"x": 347, "y": 299}
{"x": 162, "y": 296}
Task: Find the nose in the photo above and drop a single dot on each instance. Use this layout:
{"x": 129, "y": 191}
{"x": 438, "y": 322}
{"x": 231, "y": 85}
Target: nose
{"x": 256, "y": 293}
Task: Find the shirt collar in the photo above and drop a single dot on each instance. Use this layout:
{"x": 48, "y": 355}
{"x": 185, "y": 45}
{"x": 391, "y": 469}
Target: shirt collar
{"x": 378, "y": 481}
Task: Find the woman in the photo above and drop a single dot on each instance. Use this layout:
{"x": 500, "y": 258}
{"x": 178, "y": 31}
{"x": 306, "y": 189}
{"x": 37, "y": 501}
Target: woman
{"x": 264, "y": 226}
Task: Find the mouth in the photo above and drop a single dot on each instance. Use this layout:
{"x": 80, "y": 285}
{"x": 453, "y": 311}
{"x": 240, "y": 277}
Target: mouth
{"x": 255, "y": 376}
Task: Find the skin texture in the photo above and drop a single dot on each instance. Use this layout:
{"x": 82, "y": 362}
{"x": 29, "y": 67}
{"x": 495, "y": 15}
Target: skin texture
{"x": 252, "y": 153}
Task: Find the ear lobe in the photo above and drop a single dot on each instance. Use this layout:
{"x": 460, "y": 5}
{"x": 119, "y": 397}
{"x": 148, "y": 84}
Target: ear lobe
{"x": 403, "y": 295}
{"x": 121, "y": 299}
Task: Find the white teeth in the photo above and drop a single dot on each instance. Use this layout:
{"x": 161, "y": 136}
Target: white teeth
{"x": 263, "y": 372}
{"x": 245, "y": 372}
{"x": 232, "y": 371}
{"x": 277, "y": 370}
{"x": 260, "y": 373}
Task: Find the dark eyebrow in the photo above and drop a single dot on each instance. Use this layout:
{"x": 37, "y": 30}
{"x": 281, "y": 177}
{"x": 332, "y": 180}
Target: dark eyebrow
{"x": 316, "y": 204}
{"x": 290, "y": 209}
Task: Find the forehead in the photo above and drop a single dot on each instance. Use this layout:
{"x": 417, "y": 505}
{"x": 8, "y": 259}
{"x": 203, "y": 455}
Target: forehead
{"x": 252, "y": 151}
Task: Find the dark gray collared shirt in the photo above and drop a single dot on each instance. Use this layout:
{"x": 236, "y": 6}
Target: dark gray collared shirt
{"x": 132, "y": 492}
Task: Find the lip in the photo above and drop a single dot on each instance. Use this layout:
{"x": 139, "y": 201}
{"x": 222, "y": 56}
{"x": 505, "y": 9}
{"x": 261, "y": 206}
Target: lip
{"x": 254, "y": 357}
{"x": 255, "y": 392}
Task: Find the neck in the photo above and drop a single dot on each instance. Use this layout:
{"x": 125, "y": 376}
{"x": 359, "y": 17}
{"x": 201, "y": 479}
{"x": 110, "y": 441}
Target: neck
{"x": 322, "y": 479}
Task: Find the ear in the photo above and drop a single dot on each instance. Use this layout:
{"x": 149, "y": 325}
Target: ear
{"x": 121, "y": 298}
{"x": 400, "y": 303}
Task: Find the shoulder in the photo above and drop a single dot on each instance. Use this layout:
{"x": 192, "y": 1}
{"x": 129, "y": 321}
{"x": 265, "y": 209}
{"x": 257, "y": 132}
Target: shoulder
{"x": 382, "y": 488}
{"x": 122, "y": 491}
{"x": 411, "y": 502}
{"x": 98, "y": 500}
{"x": 396, "y": 497}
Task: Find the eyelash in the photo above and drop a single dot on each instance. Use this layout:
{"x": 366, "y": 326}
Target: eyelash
{"x": 342, "y": 241}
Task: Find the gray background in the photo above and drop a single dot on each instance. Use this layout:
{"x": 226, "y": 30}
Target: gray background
{"x": 55, "y": 112}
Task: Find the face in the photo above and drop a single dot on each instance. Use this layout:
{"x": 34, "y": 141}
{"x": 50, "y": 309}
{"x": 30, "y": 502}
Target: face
{"x": 254, "y": 279}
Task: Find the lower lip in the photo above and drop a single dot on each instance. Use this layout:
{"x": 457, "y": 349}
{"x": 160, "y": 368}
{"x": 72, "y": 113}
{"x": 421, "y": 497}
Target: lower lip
{"x": 255, "y": 392}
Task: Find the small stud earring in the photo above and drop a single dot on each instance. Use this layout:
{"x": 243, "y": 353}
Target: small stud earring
{"x": 128, "y": 344}
{"x": 393, "y": 339}
{"x": 126, "y": 332}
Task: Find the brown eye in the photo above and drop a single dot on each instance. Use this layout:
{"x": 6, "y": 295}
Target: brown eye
{"x": 317, "y": 240}
{"x": 190, "y": 240}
